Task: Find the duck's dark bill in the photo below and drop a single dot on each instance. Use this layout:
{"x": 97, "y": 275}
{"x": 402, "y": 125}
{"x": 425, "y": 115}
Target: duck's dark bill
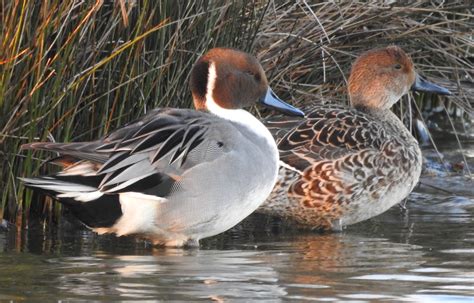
{"x": 424, "y": 86}
{"x": 271, "y": 100}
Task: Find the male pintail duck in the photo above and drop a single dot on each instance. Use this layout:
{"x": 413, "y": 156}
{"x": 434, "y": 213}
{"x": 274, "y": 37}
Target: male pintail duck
{"x": 177, "y": 175}
{"x": 344, "y": 165}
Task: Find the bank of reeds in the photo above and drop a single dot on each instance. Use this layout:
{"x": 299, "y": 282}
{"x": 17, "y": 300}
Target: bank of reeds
{"x": 308, "y": 46}
{"x": 73, "y": 70}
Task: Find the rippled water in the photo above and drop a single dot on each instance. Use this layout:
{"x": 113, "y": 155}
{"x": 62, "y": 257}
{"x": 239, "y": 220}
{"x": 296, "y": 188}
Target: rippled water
{"x": 425, "y": 254}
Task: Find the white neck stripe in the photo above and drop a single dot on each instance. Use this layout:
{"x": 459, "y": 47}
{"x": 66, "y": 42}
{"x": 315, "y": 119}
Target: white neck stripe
{"x": 211, "y": 83}
{"x": 211, "y": 104}
{"x": 240, "y": 116}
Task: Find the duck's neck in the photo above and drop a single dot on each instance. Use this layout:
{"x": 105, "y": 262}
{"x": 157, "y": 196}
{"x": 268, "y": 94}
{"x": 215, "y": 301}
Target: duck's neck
{"x": 381, "y": 114}
{"x": 235, "y": 115}
{"x": 243, "y": 118}
{"x": 246, "y": 120}
{"x": 390, "y": 122}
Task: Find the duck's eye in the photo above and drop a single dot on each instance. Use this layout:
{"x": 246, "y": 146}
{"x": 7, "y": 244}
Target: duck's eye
{"x": 398, "y": 66}
{"x": 256, "y": 76}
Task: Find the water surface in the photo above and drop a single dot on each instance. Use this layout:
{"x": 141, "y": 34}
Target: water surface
{"x": 424, "y": 254}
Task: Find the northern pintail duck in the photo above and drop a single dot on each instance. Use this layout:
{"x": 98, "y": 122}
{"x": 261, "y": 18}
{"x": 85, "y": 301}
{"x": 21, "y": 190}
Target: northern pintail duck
{"x": 177, "y": 175}
{"x": 344, "y": 165}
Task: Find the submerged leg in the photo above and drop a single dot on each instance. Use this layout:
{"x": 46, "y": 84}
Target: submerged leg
{"x": 403, "y": 205}
{"x": 176, "y": 241}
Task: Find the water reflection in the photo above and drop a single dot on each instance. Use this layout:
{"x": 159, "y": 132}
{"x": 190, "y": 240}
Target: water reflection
{"x": 181, "y": 275}
{"x": 423, "y": 254}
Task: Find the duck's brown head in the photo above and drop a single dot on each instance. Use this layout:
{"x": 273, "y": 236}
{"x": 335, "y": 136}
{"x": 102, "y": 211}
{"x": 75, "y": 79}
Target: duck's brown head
{"x": 380, "y": 77}
{"x": 230, "y": 79}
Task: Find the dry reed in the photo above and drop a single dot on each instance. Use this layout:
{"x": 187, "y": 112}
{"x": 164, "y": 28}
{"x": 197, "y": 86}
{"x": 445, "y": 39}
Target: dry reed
{"x": 73, "y": 70}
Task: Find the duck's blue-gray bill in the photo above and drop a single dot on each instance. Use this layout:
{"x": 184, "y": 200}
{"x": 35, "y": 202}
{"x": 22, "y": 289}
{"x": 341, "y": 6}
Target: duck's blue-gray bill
{"x": 271, "y": 100}
{"x": 424, "y": 86}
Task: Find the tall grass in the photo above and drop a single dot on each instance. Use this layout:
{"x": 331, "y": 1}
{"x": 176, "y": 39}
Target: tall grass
{"x": 308, "y": 46}
{"x": 74, "y": 70}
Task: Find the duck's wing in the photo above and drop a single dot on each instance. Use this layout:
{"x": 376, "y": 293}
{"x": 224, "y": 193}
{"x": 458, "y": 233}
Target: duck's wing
{"x": 280, "y": 125}
{"x": 329, "y": 132}
{"x": 89, "y": 150}
{"x": 161, "y": 148}
{"x": 148, "y": 156}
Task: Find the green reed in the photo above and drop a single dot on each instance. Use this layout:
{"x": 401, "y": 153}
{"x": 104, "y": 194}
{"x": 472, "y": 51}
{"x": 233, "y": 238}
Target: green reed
{"x": 72, "y": 70}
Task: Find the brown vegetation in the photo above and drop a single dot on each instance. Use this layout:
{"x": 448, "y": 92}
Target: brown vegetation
{"x": 74, "y": 70}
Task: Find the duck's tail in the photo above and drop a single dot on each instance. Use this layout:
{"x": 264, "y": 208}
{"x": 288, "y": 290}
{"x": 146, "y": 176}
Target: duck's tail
{"x": 82, "y": 196}
{"x": 79, "y": 150}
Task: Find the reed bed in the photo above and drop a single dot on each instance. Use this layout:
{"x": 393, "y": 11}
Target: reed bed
{"x": 74, "y": 70}
{"x": 308, "y": 46}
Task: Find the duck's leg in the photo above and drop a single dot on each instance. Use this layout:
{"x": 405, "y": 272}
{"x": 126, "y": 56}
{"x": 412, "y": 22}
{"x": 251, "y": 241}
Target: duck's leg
{"x": 192, "y": 243}
{"x": 337, "y": 225}
{"x": 176, "y": 241}
{"x": 403, "y": 205}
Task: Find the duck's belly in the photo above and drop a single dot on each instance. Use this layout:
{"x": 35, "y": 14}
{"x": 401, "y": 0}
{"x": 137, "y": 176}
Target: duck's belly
{"x": 213, "y": 203}
{"x": 346, "y": 199}
{"x": 367, "y": 206}
{"x": 392, "y": 181}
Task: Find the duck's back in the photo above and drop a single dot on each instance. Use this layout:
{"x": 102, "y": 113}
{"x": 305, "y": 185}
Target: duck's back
{"x": 341, "y": 165}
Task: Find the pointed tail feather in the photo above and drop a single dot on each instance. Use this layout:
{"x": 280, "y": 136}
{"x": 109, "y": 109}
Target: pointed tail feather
{"x": 80, "y": 150}
{"x": 61, "y": 188}
{"x": 86, "y": 202}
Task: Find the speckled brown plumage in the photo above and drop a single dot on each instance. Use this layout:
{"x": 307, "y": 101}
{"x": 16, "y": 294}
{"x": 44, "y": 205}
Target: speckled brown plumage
{"x": 343, "y": 160}
{"x": 342, "y": 165}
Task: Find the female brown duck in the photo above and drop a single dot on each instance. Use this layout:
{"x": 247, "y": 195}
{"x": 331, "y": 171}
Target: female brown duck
{"x": 344, "y": 165}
